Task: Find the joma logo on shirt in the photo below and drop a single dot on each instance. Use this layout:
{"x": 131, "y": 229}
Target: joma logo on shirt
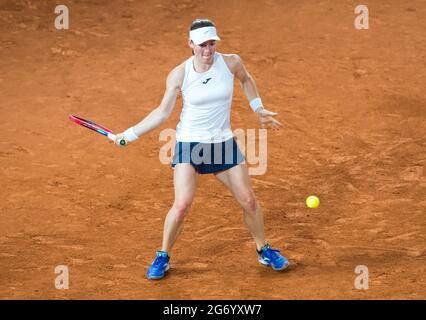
{"x": 207, "y": 80}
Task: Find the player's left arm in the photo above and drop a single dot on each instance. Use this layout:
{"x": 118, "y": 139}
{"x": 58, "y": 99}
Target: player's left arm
{"x": 248, "y": 84}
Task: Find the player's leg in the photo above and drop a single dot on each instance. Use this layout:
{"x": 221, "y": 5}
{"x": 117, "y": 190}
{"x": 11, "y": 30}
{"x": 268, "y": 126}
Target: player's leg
{"x": 237, "y": 180}
{"x": 185, "y": 182}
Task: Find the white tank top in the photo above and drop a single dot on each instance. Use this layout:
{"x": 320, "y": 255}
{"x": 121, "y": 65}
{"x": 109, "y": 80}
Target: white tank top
{"x": 207, "y": 99}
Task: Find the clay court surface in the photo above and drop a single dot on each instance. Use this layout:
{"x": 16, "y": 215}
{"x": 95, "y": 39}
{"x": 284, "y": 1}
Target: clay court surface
{"x": 353, "y": 105}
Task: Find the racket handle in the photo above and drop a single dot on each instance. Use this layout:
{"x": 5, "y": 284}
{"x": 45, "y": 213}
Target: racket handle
{"x": 112, "y": 137}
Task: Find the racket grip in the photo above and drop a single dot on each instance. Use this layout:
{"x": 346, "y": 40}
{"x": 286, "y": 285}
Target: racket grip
{"x": 112, "y": 137}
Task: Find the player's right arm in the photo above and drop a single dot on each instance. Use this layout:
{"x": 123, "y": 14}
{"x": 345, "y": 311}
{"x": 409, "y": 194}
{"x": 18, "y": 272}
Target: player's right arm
{"x": 160, "y": 114}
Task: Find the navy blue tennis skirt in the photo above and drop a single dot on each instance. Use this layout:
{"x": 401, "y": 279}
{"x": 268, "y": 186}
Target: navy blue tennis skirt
{"x": 208, "y": 157}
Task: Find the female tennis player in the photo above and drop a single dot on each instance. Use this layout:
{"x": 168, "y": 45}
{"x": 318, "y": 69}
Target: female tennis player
{"x": 204, "y": 140}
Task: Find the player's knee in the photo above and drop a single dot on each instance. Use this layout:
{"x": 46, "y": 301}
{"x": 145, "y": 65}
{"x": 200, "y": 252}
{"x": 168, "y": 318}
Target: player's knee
{"x": 249, "y": 202}
{"x": 181, "y": 208}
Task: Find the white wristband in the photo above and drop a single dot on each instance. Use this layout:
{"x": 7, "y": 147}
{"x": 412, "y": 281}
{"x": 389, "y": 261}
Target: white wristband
{"x": 130, "y": 135}
{"x": 256, "y": 104}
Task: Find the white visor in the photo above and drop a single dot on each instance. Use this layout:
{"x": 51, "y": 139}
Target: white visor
{"x": 198, "y": 36}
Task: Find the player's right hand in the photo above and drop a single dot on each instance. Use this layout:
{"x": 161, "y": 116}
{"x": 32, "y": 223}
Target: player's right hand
{"x": 118, "y": 140}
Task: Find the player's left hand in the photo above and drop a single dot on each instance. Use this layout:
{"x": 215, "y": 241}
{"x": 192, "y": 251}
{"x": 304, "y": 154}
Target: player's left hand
{"x": 266, "y": 118}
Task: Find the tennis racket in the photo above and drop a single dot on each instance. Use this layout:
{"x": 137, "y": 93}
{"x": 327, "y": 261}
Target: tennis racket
{"x": 96, "y": 127}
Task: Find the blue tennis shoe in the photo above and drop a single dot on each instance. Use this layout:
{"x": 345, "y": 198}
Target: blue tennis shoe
{"x": 273, "y": 258}
{"x": 159, "y": 267}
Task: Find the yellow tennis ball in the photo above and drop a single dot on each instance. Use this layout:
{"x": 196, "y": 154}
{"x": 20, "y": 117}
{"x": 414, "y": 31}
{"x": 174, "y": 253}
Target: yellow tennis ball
{"x": 312, "y": 202}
